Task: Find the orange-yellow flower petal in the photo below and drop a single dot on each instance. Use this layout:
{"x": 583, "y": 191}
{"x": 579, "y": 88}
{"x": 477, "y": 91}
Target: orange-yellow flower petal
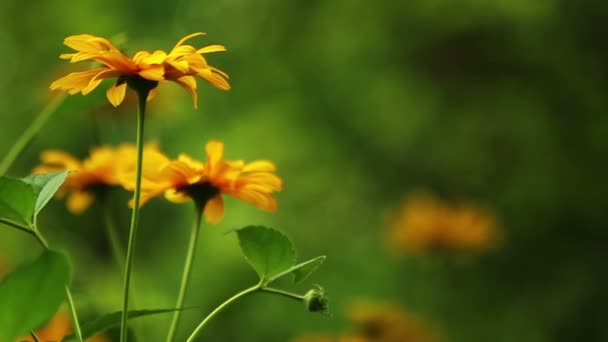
{"x": 214, "y": 209}
{"x": 116, "y": 94}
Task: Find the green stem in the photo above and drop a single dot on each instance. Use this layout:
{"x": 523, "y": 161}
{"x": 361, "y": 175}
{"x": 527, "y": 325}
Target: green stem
{"x": 30, "y": 133}
{"x": 141, "y": 112}
{"x": 282, "y": 293}
{"x": 222, "y": 306}
{"x": 68, "y": 293}
{"x": 17, "y": 226}
{"x": 118, "y": 252}
{"x": 186, "y": 273}
{"x": 34, "y": 336}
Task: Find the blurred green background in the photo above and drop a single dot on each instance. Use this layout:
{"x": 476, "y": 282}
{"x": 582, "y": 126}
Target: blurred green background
{"x": 358, "y": 103}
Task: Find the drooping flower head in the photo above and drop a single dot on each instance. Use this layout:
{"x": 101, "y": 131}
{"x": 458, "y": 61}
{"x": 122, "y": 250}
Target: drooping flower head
{"x": 427, "y": 224}
{"x": 187, "y": 179}
{"x": 104, "y": 167}
{"x": 180, "y": 65}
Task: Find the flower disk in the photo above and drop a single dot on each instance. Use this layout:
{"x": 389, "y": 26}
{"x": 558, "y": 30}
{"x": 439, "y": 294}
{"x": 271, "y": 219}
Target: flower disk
{"x": 180, "y": 65}
{"x": 187, "y": 179}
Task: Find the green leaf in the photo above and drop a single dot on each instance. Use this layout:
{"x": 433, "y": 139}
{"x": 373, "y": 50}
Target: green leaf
{"x": 268, "y": 251}
{"x": 45, "y": 186}
{"x": 31, "y": 294}
{"x": 110, "y": 320}
{"x": 305, "y": 269}
{"x": 17, "y": 201}
{"x": 302, "y": 270}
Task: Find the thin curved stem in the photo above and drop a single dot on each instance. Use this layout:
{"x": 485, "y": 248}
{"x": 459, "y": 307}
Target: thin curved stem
{"x": 68, "y": 293}
{"x": 282, "y": 293}
{"x": 141, "y": 113}
{"x": 30, "y": 133}
{"x": 196, "y": 227}
{"x": 222, "y": 306}
{"x": 118, "y": 252}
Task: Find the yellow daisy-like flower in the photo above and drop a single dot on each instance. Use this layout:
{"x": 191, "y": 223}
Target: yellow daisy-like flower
{"x": 187, "y": 179}
{"x": 105, "y": 167}
{"x": 425, "y": 223}
{"x": 57, "y": 328}
{"x": 180, "y": 65}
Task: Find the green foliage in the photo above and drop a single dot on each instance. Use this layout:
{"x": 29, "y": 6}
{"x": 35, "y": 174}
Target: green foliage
{"x": 22, "y": 199}
{"x": 110, "y": 320}
{"x": 17, "y": 201}
{"x": 272, "y": 255}
{"x": 302, "y": 270}
{"x": 30, "y": 295}
{"x": 45, "y": 186}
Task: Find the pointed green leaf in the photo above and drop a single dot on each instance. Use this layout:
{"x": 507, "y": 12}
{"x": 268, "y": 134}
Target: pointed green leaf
{"x": 17, "y": 201}
{"x": 110, "y": 320}
{"x": 31, "y": 294}
{"x": 305, "y": 269}
{"x": 268, "y": 251}
{"x": 302, "y": 270}
{"x": 45, "y": 186}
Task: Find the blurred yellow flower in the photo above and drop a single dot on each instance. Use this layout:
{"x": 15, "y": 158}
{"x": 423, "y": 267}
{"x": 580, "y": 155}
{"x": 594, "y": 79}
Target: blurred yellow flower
{"x": 187, "y": 179}
{"x": 180, "y": 65}
{"x": 56, "y": 329}
{"x": 389, "y": 323}
{"x": 104, "y": 167}
{"x": 373, "y": 322}
{"x": 425, "y": 223}
{"x": 331, "y": 339}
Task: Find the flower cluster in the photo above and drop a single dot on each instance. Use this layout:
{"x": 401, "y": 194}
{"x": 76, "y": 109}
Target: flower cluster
{"x": 178, "y": 180}
{"x": 425, "y": 224}
{"x": 180, "y": 65}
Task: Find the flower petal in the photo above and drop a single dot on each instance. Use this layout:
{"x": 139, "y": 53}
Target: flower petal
{"x": 183, "y": 40}
{"x": 214, "y": 209}
{"x": 116, "y": 94}
{"x": 189, "y": 83}
{"x": 153, "y": 73}
{"x": 260, "y": 166}
{"x": 79, "y": 201}
{"x": 211, "y": 49}
{"x": 215, "y": 153}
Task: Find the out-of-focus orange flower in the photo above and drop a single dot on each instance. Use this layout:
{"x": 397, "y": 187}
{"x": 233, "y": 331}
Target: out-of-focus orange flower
{"x": 425, "y": 224}
{"x": 331, "y": 339}
{"x": 57, "y": 328}
{"x": 378, "y": 322}
{"x": 180, "y": 65}
{"x": 187, "y": 179}
{"x": 389, "y": 323}
{"x": 104, "y": 167}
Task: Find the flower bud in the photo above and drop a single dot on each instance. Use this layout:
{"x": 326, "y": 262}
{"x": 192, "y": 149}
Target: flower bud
{"x": 316, "y": 300}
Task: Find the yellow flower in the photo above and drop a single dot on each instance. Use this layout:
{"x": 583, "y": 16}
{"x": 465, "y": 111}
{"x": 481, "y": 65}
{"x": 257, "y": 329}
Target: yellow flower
{"x": 180, "y": 65}
{"x": 380, "y": 322}
{"x": 331, "y": 339}
{"x": 103, "y": 168}
{"x": 425, "y": 223}
{"x": 187, "y": 179}
{"x": 56, "y": 329}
